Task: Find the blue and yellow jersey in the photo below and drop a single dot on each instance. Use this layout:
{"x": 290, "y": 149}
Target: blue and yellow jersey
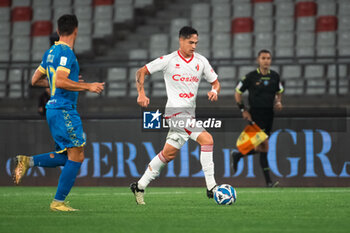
{"x": 60, "y": 57}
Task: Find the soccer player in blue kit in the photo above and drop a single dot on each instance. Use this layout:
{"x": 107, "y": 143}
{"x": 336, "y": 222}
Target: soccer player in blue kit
{"x": 59, "y": 70}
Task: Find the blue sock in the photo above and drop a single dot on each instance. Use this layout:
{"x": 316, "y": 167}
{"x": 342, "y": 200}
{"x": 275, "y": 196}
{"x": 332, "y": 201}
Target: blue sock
{"x": 67, "y": 178}
{"x": 51, "y": 159}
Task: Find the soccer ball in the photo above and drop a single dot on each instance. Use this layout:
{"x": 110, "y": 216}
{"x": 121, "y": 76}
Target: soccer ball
{"x": 225, "y": 194}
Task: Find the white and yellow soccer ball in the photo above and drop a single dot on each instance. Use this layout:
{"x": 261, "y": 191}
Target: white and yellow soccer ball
{"x": 225, "y": 194}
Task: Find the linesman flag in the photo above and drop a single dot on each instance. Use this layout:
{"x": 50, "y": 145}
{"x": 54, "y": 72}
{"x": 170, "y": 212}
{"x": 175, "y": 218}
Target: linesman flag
{"x": 251, "y": 137}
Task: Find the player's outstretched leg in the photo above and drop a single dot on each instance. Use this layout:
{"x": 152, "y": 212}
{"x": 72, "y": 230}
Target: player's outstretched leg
{"x": 22, "y": 165}
{"x": 236, "y": 156}
{"x": 273, "y": 184}
{"x": 23, "y": 162}
{"x": 51, "y": 159}
{"x": 206, "y": 158}
{"x": 207, "y": 163}
{"x": 266, "y": 169}
{"x": 61, "y": 206}
{"x": 65, "y": 184}
{"x": 152, "y": 172}
{"x": 210, "y": 193}
{"x": 139, "y": 193}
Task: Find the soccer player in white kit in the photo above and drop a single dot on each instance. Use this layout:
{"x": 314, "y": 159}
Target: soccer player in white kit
{"x": 183, "y": 70}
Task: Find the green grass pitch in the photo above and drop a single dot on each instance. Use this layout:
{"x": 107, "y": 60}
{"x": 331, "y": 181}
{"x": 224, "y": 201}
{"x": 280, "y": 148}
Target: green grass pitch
{"x": 180, "y": 210}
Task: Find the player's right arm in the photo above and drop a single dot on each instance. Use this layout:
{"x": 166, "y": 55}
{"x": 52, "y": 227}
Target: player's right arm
{"x": 150, "y": 68}
{"x": 39, "y": 78}
{"x": 142, "y": 99}
{"x": 241, "y": 87}
{"x": 278, "y": 97}
{"x": 62, "y": 81}
{"x": 245, "y": 114}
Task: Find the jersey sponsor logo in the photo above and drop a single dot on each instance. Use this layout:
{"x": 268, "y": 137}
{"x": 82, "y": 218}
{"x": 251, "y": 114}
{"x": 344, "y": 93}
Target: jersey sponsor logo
{"x": 50, "y": 58}
{"x": 186, "y": 95}
{"x": 52, "y": 101}
{"x": 265, "y": 80}
{"x": 179, "y": 78}
{"x": 63, "y": 61}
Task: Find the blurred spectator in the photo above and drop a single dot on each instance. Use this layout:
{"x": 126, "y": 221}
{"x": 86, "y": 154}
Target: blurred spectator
{"x": 54, "y": 37}
{"x": 44, "y": 97}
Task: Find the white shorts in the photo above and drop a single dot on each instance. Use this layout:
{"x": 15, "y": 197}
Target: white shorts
{"x": 178, "y": 136}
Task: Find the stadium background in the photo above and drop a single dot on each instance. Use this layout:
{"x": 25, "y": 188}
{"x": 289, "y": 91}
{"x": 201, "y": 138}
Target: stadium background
{"x": 310, "y": 43}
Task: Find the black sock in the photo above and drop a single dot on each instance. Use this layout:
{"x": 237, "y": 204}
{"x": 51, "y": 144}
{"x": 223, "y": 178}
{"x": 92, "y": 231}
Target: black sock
{"x": 265, "y": 167}
{"x": 240, "y": 155}
{"x": 252, "y": 152}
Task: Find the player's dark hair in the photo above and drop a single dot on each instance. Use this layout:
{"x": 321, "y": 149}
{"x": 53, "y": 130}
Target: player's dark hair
{"x": 263, "y": 51}
{"x": 187, "y": 31}
{"x": 67, "y": 24}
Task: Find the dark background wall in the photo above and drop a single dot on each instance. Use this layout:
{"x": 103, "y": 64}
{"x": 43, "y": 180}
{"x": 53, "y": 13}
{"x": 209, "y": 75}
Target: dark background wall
{"x": 303, "y": 152}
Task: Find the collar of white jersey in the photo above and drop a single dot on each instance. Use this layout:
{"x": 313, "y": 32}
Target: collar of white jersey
{"x": 182, "y": 57}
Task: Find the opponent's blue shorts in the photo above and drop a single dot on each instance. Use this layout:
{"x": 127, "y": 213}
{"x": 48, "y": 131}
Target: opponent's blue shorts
{"x": 66, "y": 128}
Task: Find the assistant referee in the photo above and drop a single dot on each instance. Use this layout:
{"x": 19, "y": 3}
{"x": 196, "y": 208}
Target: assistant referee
{"x": 265, "y": 94}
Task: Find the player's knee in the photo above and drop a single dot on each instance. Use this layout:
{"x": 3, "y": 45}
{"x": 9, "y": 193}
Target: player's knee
{"x": 169, "y": 156}
{"x": 76, "y": 154}
{"x": 205, "y": 139}
{"x": 169, "y": 152}
{"x": 81, "y": 158}
{"x": 78, "y": 158}
{"x": 210, "y": 139}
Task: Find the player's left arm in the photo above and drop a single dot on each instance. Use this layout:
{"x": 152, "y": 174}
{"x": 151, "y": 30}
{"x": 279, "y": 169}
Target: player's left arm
{"x": 278, "y": 96}
{"x": 215, "y": 90}
{"x": 62, "y": 81}
{"x": 39, "y": 78}
{"x": 278, "y": 102}
{"x": 212, "y": 78}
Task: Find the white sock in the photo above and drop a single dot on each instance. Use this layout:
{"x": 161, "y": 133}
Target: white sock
{"x": 208, "y": 165}
{"x": 152, "y": 171}
{"x": 58, "y": 200}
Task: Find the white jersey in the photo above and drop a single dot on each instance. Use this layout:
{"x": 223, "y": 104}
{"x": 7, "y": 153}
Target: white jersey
{"x": 182, "y": 77}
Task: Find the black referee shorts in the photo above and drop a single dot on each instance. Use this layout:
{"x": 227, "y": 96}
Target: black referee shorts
{"x": 263, "y": 117}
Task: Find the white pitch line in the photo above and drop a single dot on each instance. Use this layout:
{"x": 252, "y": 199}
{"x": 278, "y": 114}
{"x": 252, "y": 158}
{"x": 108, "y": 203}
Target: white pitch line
{"x": 281, "y": 190}
{"x": 94, "y": 194}
{"x": 129, "y": 193}
{"x": 240, "y": 191}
